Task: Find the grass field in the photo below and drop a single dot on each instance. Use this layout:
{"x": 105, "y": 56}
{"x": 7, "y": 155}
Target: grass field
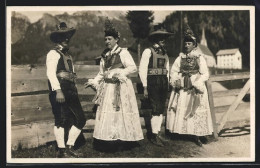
{"x": 175, "y": 148}
{"x": 233, "y": 143}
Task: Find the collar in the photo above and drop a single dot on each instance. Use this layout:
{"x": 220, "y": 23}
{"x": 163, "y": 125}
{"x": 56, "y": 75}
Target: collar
{"x": 193, "y": 53}
{"x": 62, "y": 49}
{"x": 116, "y": 49}
{"x": 157, "y": 48}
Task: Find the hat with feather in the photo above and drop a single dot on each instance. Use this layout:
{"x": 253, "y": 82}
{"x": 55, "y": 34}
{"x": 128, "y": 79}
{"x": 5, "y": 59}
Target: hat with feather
{"x": 110, "y": 30}
{"x": 62, "y": 33}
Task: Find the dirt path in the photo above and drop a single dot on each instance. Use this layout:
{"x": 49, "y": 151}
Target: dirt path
{"x": 233, "y": 143}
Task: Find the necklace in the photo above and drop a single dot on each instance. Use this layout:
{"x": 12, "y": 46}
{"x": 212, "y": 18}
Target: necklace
{"x": 189, "y": 59}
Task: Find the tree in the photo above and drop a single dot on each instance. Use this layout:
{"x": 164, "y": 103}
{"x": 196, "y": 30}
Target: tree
{"x": 223, "y": 29}
{"x": 140, "y": 24}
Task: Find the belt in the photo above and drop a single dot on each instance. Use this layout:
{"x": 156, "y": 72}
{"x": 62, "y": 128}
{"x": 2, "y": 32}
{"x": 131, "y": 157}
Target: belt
{"x": 70, "y": 76}
{"x": 157, "y": 71}
{"x": 111, "y": 80}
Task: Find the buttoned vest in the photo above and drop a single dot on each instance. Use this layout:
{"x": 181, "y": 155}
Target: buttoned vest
{"x": 157, "y": 60}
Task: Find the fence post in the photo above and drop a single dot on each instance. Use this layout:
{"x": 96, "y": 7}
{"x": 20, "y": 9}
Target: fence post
{"x": 233, "y": 106}
{"x": 211, "y": 105}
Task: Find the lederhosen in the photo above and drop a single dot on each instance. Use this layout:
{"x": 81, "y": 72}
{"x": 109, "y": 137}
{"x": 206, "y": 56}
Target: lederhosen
{"x": 157, "y": 82}
{"x": 70, "y": 112}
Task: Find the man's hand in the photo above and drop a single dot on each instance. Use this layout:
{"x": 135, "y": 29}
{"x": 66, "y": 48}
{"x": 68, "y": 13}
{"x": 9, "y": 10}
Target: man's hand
{"x": 145, "y": 92}
{"x": 60, "y": 96}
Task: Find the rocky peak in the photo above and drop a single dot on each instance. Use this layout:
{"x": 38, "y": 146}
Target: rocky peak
{"x": 18, "y": 15}
{"x": 20, "y": 24}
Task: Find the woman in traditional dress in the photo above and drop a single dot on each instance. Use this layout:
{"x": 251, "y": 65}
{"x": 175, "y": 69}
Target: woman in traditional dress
{"x": 188, "y": 110}
{"x": 117, "y": 116}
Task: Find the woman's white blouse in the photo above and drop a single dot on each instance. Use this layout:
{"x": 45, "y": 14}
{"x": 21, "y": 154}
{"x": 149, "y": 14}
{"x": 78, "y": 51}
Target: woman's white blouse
{"x": 127, "y": 61}
{"x": 203, "y": 70}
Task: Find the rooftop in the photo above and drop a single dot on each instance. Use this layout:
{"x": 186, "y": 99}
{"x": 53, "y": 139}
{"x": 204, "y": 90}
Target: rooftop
{"x": 205, "y": 50}
{"x": 227, "y": 51}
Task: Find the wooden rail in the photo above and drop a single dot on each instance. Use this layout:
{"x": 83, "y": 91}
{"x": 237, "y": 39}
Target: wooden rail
{"x": 225, "y": 77}
{"x": 240, "y": 93}
{"x": 31, "y": 114}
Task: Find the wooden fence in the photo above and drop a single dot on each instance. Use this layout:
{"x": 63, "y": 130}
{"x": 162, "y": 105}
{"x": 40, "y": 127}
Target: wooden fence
{"x": 31, "y": 114}
{"x": 227, "y": 110}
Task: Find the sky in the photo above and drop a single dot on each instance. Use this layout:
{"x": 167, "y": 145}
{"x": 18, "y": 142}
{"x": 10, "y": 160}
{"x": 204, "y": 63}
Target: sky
{"x": 34, "y": 16}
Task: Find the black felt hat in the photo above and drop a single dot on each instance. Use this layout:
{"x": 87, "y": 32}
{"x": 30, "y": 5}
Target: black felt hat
{"x": 159, "y": 33}
{"x": 62, "y": 33}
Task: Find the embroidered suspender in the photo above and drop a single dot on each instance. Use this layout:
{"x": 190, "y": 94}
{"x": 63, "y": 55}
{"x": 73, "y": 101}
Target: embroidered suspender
{"x": 65, "y": 60}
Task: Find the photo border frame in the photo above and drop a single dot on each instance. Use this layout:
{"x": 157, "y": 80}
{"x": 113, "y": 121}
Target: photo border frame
{"x": 167, "y": 3}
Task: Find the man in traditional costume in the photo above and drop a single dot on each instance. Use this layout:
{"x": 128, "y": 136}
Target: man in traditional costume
{"x": 63, "y": 95}
{"x": 117, "y": 116}
{"x": 188, "y": 110}
{"x": 154, "y": 74}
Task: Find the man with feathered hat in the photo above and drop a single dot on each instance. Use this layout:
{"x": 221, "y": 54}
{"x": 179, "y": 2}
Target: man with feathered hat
{"x": 154, "y": 74}
{"x": 63, "y": 95}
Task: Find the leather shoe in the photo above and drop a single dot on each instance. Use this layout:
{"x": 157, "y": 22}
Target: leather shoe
{"x": 157, "y": 141}
{"x": 72, "y": 152}
{"x": 61, "y": 153}
{"x": 198, "y": 142}
{"x": 204, "y": 140}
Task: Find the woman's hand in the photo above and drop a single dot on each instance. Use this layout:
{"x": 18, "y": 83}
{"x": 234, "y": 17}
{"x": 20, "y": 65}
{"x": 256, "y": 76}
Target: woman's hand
{"x": 60, "y": 96}
{"x": 177, "y": 84}
{"x": 119, "y": 77}
{"x": 115, "y": 77}
{"x": 199, "y": 87}
{"x": 89, "y": 83}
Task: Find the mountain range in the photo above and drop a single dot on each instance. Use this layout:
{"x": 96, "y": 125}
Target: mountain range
{"x": 30, "y": 41}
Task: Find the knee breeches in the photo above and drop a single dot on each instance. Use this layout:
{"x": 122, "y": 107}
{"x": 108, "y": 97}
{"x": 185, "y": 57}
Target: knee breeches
{"x": 70, "y": 112}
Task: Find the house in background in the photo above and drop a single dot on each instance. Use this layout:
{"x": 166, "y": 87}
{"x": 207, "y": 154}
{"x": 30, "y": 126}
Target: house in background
{"x": 203, "y": 48}
{"x": 229, "y": 59}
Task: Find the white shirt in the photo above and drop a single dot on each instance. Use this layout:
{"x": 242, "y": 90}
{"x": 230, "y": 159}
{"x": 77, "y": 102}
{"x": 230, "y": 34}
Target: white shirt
{"x": 143, "y": 68}
{"x": 51, "y": 64}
